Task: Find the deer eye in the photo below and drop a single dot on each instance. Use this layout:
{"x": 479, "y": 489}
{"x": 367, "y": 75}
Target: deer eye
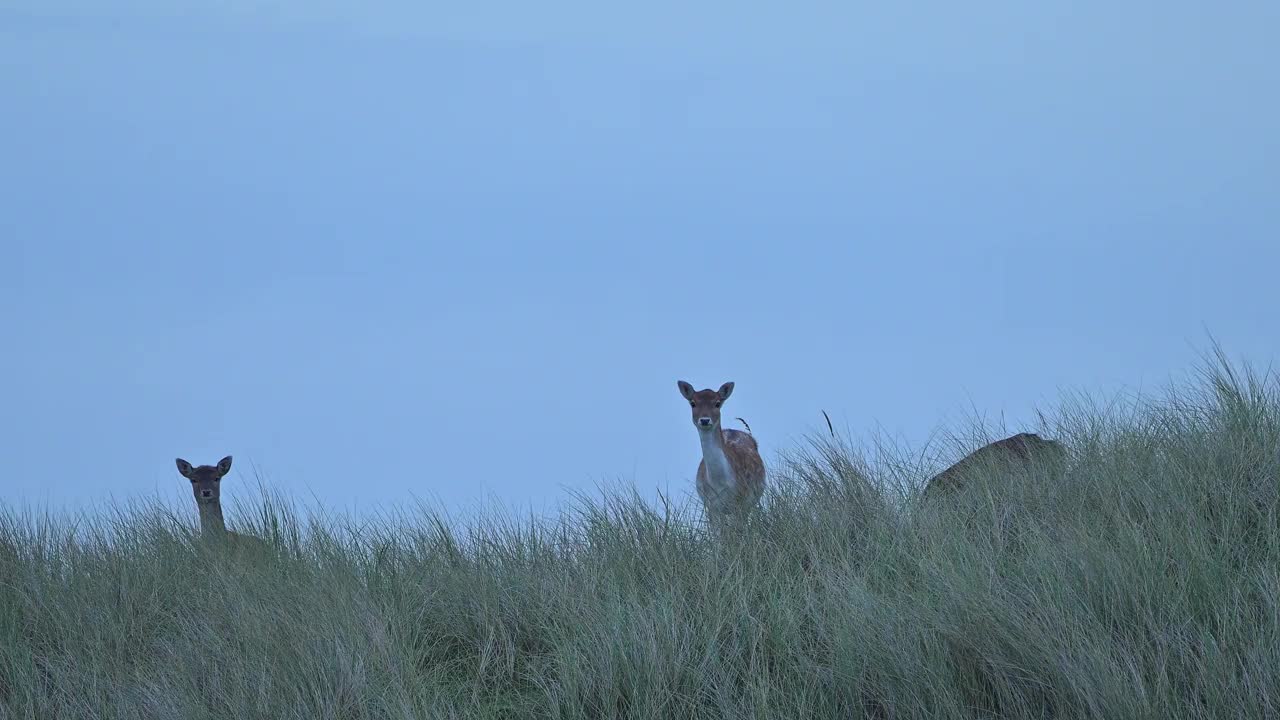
{"x": 693, "y": 404}
{"x": 717, "y": 403}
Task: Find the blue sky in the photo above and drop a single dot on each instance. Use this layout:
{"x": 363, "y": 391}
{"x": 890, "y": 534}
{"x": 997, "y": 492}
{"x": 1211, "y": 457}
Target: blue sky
{"x": 395, "y": 251}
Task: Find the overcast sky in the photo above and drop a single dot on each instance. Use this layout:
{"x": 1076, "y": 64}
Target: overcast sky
{"x": 381, "y": 252}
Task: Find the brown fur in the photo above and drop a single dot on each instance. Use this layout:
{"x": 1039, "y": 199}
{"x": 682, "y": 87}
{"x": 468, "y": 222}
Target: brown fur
{"x": 1023, "y": 448}
{"x": 744, "y": 457}
{"x": 206, "y": 485}
{"x": 740, "y": 450}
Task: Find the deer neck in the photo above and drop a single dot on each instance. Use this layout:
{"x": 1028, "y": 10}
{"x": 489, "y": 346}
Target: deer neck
{"x": 719, "y": 470}
{"x": 211, "y": 522}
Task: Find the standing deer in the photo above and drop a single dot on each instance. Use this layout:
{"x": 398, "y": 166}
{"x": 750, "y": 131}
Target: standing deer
{"x": 205, "y": 484}
{"x": 731, "y": 474}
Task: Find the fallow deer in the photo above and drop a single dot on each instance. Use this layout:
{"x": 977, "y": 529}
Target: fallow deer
{"x": 206, "y": 481}
{"x": 731, "y": 475}
{"x": 1023, "y": 448}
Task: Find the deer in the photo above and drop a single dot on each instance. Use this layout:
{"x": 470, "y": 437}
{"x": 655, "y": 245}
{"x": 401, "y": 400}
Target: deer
{"x": 1024, "y": 448}
{"x": 731, "y": 475}
{"x": 205, "y": 485}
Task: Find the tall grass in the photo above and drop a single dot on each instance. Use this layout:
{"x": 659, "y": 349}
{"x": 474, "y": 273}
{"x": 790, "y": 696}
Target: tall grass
{"x": 1139, "y": 580}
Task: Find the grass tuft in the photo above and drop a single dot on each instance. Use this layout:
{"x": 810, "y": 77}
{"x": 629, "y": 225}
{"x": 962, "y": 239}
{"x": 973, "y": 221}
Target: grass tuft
{"x": 1139, "y": 579}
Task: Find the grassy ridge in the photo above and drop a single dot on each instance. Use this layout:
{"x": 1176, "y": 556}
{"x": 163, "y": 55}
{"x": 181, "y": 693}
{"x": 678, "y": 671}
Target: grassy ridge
{"x": 1140, "y": 580}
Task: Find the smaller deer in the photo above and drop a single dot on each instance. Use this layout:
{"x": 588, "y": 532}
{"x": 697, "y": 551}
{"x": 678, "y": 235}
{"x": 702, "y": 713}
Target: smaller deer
{"x": 731, "y": 475}
{"x": 205, "y": 484}
{"x": 1023, "y": 448}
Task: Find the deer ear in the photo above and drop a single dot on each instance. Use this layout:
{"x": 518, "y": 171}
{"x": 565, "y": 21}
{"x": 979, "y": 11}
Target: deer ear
{"x": 685, "y": 389}
{"x": 184, "y": 467}
{"x": 224, "y": 465}
{"x": 725, "y": 391}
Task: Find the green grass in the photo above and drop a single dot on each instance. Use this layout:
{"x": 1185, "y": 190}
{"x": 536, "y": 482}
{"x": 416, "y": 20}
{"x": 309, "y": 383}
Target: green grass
{"x": 1140, "y": 580}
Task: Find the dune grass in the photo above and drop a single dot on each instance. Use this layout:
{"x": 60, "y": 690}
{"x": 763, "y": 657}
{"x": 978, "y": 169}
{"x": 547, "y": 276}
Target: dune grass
{"x": 1139, "y": 580}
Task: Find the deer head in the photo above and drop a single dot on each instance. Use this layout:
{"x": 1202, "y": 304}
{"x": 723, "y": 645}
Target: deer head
{"x": 706, "y": 404}
{"x": 205, "y": 479}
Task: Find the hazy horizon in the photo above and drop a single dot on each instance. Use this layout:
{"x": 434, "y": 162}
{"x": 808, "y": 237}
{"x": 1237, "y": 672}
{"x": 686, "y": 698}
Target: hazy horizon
{"x": 466, "y": 254}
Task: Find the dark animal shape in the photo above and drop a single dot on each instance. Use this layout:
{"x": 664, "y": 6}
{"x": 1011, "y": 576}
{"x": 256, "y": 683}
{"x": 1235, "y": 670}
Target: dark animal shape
{"x": 1023, "y": 448}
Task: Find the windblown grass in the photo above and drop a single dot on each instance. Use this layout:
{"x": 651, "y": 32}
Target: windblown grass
{"x": 1141, "y": 580}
